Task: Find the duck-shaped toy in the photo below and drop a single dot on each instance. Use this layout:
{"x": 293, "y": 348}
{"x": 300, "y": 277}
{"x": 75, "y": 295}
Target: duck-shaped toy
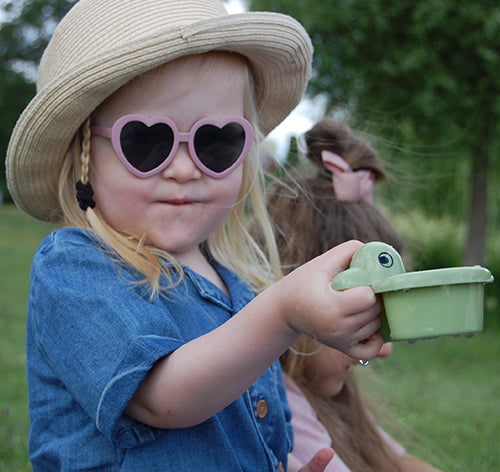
{"x": 421, "y": 304}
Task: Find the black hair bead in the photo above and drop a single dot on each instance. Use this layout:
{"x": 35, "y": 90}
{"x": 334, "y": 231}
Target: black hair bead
{"x": 84, "y": 194}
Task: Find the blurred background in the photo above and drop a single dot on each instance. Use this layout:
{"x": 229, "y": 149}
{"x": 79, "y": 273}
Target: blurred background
{"x": 419, "y": 80}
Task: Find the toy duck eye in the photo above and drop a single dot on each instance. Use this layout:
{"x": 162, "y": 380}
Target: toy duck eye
{"x": 385, "y": 259}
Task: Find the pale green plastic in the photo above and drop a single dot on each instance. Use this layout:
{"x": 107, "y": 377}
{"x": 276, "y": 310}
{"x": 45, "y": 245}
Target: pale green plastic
{"x": 422, "y": 304}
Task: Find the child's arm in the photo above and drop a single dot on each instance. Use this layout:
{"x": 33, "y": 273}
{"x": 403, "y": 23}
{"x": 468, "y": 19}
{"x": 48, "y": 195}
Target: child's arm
{"x": 205, "y": 375}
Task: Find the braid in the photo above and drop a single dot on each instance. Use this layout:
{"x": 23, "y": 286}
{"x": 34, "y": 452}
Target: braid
{"x": 85, "y": 154}
{"x": 84, "y": 192}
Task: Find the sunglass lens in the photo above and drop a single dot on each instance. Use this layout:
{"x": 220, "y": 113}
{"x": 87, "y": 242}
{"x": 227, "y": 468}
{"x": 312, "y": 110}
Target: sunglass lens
{"x": 219, "y": 148}
{"x": 146, "y": 147}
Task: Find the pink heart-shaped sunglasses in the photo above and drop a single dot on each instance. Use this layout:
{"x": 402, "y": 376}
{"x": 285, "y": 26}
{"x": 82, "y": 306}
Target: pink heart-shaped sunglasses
{"x": 146, "y": 146}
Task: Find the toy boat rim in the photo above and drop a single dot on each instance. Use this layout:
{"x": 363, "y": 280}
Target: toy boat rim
{"x": 434, "y": 278}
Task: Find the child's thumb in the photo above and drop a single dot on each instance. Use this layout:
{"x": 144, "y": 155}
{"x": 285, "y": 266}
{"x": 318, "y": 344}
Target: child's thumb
{"x": 338, "y": 258}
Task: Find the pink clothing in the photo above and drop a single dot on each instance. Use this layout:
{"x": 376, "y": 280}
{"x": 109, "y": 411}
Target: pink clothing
{"x": 310, "y": 435}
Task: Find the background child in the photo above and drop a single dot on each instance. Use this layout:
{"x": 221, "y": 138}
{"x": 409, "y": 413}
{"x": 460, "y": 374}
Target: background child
{"x": 153, "y": 327}
{"x": 312, "y": 215}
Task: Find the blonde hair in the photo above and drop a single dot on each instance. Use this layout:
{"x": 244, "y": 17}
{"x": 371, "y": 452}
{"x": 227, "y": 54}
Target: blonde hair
{"x": 231, "y": 244}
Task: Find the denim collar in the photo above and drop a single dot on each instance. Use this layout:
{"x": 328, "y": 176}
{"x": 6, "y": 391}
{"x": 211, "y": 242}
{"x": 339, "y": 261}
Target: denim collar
{"x": 239, "y": 290}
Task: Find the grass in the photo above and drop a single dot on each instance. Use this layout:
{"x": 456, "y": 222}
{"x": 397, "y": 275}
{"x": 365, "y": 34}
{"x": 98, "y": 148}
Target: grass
{"x": 443, "y": 394}
{"x": 19, "y": 237}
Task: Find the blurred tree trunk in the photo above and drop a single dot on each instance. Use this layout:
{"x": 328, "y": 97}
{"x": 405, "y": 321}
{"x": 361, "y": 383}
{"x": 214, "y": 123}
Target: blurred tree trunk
{"x": 475, "y": 244}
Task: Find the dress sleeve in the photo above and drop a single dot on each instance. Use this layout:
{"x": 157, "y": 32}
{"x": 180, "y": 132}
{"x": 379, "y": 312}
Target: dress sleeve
{"x": 97, "y": 332}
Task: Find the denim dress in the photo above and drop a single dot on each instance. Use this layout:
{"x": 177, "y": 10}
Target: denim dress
{"x": 93, "y": 333}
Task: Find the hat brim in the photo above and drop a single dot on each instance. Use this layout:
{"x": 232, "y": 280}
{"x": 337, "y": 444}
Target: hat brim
{"x": 277, "y": 47}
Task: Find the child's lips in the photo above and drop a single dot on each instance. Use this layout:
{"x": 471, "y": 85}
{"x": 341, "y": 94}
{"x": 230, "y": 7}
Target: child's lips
{"x": 180, "y": 201}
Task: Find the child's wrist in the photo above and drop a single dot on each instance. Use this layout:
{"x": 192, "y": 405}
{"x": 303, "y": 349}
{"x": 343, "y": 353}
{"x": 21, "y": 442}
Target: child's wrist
{"x": 287, "y": 311}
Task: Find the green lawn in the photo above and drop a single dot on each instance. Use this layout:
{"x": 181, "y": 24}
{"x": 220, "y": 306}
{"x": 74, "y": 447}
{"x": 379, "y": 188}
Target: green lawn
{"x": 19, "y": 237}
{"x": 444, "y": 393}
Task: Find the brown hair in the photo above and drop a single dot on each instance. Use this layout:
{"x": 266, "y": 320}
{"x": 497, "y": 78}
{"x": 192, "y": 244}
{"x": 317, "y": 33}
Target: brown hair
{"x": 308, "y": 220}
{"x": 337, "y": 137}
{"x": 307, "y": 216}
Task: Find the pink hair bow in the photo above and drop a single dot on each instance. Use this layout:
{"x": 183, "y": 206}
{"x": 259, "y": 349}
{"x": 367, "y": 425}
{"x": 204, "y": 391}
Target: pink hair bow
{"x": 348, "y": 185}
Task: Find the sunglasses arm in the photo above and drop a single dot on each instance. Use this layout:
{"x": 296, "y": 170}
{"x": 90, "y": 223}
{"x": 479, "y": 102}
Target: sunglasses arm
{"x": 101, "y": 131}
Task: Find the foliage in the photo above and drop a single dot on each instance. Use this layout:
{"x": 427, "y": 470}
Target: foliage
{"x": 24, "y": 33}
{"x": 431, "y": 62}
{"x": 423, "y": 76}
{"x": 431, "y": 243}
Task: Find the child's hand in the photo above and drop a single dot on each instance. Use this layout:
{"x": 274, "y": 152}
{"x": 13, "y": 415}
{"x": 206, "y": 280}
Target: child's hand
{"x": 317, "y": 464}
{"x": 345, "y": 320}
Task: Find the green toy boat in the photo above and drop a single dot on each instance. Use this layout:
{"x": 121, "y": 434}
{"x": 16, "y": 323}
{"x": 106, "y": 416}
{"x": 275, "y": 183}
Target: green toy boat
{"x": 422, "y": 304}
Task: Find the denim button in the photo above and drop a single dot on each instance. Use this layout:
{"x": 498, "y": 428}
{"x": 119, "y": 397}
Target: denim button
{"x": 261, "y": 408}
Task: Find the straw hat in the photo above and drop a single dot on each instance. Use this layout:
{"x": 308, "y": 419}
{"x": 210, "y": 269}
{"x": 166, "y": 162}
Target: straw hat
{"x": 102, "y": 44}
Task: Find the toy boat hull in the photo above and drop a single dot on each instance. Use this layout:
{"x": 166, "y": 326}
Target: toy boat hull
{"x": 430, "y": 312}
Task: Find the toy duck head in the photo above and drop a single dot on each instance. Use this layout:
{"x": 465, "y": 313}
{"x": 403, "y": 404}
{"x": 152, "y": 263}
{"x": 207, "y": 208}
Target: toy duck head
{"x": 371, "y": 263}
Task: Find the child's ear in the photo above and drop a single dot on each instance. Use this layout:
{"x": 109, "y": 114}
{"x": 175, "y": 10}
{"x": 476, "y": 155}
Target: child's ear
{"x": 334, "y": 163}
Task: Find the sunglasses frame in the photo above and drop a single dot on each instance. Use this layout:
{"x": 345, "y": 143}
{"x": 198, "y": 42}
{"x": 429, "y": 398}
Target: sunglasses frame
{"x": 114, "y": 132}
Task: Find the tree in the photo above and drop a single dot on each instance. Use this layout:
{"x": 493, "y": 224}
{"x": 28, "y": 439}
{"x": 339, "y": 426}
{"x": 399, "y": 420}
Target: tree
{"x": 423, "y": 74}
{"x": 27, "y": 26}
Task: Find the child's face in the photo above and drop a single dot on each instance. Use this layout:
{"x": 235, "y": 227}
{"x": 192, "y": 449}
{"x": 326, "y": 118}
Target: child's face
{"x": 328, "y": 369}
{"x": 180, "y": 207}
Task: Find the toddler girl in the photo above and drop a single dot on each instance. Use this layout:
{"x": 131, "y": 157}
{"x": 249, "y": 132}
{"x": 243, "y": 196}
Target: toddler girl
{"x": 154, "y": 327}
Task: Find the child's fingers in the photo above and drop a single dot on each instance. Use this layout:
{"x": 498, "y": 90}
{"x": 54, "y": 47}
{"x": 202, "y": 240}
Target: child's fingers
{"x": 367, "y": 330}
{"x": 319, "y": 461}
{"x": 367, "y": 349}
{"x": 358, "y": 300}
{"x": 349, "y": 329}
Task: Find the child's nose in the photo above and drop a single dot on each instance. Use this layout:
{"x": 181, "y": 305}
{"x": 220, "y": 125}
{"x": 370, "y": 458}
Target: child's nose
{"x": 385, "y": 351}
{"x": 182, "y": 168}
